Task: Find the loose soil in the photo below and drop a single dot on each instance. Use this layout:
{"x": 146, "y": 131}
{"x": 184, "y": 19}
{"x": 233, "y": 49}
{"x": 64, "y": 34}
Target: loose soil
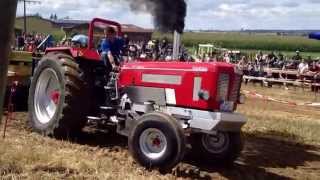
{"x": 282, "y": 142}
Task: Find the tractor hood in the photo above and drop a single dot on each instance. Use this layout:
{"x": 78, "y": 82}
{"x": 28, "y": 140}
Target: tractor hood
{"x": 204, "y": 86}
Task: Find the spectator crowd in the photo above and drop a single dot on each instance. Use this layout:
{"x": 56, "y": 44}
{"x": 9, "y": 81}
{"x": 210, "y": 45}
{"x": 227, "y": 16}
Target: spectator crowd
{"x": 262, "y": 62}
{"x": 162, "y": 50}
{"x": 154, "y": 49}
{"x": 305, "y": 70}
{"x": 30, "y": 41}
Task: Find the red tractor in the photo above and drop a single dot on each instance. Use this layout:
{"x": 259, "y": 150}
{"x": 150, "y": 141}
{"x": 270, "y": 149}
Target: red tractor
{"x": 162, "y": 107}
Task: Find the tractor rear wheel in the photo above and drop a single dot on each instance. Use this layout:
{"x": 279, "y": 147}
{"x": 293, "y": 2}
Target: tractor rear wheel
{"x": 221, "y": 149}
{"x": 157, "y": 141}
{"x": 57, "y": 97}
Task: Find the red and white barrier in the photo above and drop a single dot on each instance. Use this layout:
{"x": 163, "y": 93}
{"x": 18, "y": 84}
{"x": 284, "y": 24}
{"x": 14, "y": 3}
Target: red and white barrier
{"x": 268, "y": 98}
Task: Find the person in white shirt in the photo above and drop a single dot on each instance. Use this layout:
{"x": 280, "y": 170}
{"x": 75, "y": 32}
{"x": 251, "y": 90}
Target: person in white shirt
{"x": 227, "y": 58}
{"x": 302, "y": 69}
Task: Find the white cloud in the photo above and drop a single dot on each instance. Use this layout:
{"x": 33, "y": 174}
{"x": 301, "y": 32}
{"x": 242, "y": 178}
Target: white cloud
{"x": 202, "y": 14}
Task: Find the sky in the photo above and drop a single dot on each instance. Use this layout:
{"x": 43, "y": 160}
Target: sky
{"x": 201, "y": 14}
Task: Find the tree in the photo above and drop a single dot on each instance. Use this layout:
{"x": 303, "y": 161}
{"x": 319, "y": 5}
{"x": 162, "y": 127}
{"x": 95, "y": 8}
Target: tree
{"x": 55, "y": 17}
{"x": 51, "y": 16}
{"x": 7, "y": 13}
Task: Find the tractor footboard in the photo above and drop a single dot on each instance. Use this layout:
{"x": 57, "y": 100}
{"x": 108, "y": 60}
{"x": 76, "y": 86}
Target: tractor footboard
{"x": 209, "y": 121}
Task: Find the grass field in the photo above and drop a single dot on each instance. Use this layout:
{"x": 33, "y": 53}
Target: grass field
{"x": 252, "y": 42}
{"x": 282, "y": 142}
{"x": 295, "y": 123}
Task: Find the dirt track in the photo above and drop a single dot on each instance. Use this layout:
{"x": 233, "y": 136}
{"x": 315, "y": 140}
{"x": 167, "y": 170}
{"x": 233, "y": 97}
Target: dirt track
{"x": 264, "y": 157}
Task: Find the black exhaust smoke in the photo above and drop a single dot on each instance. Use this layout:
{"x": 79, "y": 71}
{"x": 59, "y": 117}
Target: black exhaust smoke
{"x": 169, "y": 15}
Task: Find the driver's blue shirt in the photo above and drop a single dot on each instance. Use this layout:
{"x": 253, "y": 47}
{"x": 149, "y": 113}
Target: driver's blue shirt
{"x": 115, "y": 47}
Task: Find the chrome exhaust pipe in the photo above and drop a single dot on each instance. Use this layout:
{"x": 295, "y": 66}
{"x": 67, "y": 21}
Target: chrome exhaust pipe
{"x": 176, "y": 45}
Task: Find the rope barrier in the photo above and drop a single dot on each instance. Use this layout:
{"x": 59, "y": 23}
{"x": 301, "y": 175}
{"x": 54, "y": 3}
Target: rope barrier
{"x": 268, "y": 98}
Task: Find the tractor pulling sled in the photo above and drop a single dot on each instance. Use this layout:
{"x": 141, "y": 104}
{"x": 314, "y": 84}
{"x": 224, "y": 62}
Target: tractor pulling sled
{"x": 162, "y": 107}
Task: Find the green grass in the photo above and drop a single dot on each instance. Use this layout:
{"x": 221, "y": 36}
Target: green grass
{"x": 246, "y": 41}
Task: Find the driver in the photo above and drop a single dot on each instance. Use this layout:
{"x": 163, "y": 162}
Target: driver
{"x": 111, "y": 48}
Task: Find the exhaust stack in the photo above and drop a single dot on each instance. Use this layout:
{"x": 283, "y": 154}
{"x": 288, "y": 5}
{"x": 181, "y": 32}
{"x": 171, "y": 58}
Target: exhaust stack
{"x": 176, "y": 45}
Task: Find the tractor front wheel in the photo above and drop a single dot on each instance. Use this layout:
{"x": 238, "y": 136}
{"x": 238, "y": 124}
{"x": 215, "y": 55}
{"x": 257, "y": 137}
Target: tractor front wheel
{"x": 221, "y": 149}
{"x": 157, "y": 141}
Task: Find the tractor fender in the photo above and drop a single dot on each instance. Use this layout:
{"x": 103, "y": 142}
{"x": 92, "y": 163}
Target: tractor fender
{"x": 67, "y": 50}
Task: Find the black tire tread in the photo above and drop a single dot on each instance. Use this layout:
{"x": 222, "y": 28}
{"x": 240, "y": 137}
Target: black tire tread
{"x": 72, "y": 117}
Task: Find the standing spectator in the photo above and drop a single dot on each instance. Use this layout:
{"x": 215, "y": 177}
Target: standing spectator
{"x": 227, "y": 57}
{"x": 50, "y": 41}
{"x": 155, "y": 49}
{"x": 20, "y": 42}
{"x": 315, "y": 67}
{"x": 281, "y": 56}
{"x": 242, "y": 65}
{"x": 260, "y": 68}
{"x": 315, "y": 70}
{"x": 38, "y": 40}
{"x": 297, "y": 57}
{"x": 132, "y": 52}
{"x": 126, "y": 42}
{"x": 271, "y": 59}
{"x": 251, "y": 69}
{"x": 206, "y": 58}
{"x": 163, "y": 47}
{"x": 259, "y": 57}
{"x": 302, "y": 69}
{"x": 280, "y": 61}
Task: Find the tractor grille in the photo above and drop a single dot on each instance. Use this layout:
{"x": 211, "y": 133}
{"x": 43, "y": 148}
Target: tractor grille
{"x": 223, "y": 87}
{"x": 234, "y": 94}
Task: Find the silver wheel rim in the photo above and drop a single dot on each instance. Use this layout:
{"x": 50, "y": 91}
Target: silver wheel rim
{"x": 153, "y": 143}
{"x": 47, "y": 95}
{"x": 216, "y": 144}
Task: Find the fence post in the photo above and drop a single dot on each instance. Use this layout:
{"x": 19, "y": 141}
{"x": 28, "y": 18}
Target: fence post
{"x": 7, "y": 13}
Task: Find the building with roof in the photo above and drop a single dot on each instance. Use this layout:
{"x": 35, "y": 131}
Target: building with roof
{"x": 71, "y": 26}
{"x": 37, "y": 24}
{"x": 62, "y": 23}
{"x": 137, "y": 33}
{"x": 134, "y": 32}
